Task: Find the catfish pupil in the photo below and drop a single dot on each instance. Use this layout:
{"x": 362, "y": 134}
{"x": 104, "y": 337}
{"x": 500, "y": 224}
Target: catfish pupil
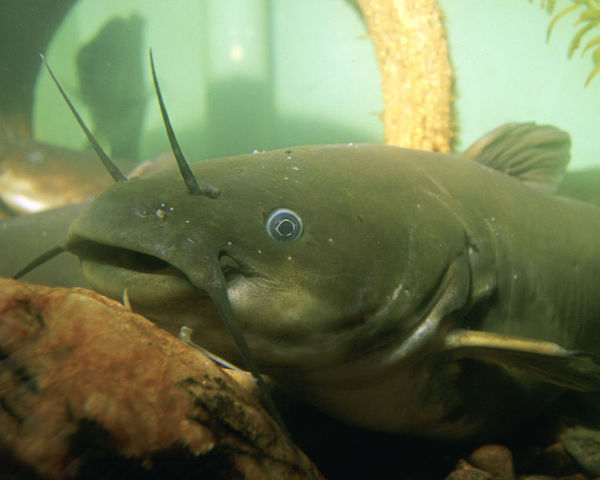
{"x": 284, "y": 225}
{"x": 285, "y": 228}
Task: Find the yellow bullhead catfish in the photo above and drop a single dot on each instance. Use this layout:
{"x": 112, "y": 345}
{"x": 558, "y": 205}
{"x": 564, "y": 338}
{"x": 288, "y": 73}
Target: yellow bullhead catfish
{"x": 395, "y": 289}
{"x": 381, "y": 284}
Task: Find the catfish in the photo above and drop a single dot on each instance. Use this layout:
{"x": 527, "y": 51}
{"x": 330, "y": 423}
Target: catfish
{"x": 448, "y": 296}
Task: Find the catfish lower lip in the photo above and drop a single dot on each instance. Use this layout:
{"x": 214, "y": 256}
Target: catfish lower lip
{"x": 112, "y": 269}
{"x": 120, "y": 257}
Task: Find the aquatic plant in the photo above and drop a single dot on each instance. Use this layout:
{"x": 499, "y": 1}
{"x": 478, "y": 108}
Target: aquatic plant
{"x": 589, "y": 19}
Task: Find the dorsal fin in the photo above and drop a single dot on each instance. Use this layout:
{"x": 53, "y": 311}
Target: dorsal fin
{"x": 537, "y": 155}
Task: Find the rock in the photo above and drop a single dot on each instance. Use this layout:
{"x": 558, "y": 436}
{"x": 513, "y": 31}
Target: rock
{"x": 494, "y": 459}
{"x": 465, "y": 471}
{"x": 89, "y": 389}
{"x": 556, "y": 461}
{"x": 584, "y": 445}
{"x": 537, "y": 477}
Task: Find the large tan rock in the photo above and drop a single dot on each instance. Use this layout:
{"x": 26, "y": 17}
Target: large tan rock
{"x": 88, "y": 388}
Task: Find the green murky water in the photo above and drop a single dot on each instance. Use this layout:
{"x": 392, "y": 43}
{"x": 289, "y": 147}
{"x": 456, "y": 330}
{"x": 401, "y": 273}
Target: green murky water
{"x": 246, "y": 75}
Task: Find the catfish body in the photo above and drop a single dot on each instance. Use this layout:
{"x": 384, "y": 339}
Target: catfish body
{"x": 421, "y": 292}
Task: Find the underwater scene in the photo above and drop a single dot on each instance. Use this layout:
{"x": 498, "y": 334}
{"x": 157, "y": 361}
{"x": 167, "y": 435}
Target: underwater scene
{"x": 300, "y": 239}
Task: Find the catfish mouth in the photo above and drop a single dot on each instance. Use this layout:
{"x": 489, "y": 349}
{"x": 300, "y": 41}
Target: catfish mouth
{"x": 110, "y": 270}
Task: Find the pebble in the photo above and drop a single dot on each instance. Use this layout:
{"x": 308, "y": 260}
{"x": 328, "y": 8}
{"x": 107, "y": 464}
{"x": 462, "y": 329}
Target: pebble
{"x": 537, "y": 477}
{"x": 584, "y": 445}
{"x": 466, "y": 471}
{"x": 494, "y": 459}
{"x": 555, "y": 459}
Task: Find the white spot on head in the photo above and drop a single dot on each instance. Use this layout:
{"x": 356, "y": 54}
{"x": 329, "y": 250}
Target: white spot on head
{"x": 396, "y": 292}
{"x": 161, "y": 214}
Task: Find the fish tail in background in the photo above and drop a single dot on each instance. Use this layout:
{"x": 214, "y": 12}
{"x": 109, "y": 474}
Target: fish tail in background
{"x": 26, "y": 27}
{"x": 111, "y": 81}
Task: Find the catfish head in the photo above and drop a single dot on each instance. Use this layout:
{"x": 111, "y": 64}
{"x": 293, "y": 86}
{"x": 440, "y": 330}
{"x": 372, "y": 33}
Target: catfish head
{"x": 328, "y": 258}
{"x": 316, "y": 265}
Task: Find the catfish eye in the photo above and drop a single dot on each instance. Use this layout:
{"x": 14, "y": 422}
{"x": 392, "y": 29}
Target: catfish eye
{"x": 284, "y": 225}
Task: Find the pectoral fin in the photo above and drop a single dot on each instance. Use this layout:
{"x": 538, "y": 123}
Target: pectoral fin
{"x": 546, "y": 360}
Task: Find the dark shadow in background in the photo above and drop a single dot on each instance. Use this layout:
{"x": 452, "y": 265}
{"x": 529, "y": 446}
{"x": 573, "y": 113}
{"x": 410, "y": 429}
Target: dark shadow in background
{"x": 26, "y": 28}
{"x": 243, "y": 118}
